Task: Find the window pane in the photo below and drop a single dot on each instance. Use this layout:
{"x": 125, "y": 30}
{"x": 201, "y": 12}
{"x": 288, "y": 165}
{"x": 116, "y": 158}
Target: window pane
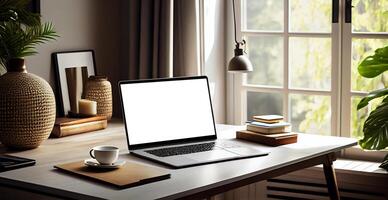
{"x": 266, "y": 55}
{"x": 362, "y": 48}
{"x": 310, "y": 114}
{"x": 310, "y": 16}
{"x": 358, "y": 117}
{"x": 263, "y": 15}
{"x": 264, "y": 104}
{"x": 310, "y": 63}
{"x": 370, "y": 16}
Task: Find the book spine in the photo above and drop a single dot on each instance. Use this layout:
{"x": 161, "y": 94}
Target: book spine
{"x": 250, "y": 137}
{"x": 267, "y": 122}
{"x": 271, "y": 141}
{"x": 275, "y": 125}
{"x": 82, "y": 120}
{"x": 257, "y": 129}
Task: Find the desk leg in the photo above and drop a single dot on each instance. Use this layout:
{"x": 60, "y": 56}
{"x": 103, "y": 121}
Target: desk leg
{"x": 330, "y": 178}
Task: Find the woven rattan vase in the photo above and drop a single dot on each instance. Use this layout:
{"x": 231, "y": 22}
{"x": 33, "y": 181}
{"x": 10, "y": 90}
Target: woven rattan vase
{"x": 27, "y": 107}
{"x": 99, "y": 89}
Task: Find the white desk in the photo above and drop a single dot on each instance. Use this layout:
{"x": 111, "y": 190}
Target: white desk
{"x": 194, "y": 182}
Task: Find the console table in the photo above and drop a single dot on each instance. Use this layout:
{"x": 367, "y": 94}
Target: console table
{"x": 187, "y": 183}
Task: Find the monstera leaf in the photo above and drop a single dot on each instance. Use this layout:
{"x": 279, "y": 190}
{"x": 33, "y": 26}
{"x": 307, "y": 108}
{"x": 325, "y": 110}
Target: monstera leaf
{"x": 372, "y": 95}
{"x": 374, "y": 65}
{"x": 376, "y": 128}
{"x": 376, "y": 125}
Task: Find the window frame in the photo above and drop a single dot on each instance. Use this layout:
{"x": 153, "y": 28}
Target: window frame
{"x": 242, "y": 87}
{"x": 340, "y": 94}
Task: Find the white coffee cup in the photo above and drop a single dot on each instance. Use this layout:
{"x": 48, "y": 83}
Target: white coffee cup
{"x": 105, "y": 155}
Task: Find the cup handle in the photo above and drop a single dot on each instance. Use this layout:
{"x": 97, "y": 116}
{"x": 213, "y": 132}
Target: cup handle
{"x": 91, "y": 154}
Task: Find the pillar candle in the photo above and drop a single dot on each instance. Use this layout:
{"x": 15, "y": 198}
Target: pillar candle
{"x": 87, "y": 107}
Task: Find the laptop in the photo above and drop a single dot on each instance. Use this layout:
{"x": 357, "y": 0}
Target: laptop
{"x": 171, "y": 121}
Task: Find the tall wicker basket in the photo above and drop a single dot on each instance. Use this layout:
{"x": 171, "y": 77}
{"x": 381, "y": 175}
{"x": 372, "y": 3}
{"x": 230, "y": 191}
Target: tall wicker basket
{"x": 27, "y": 108}
{"x": 99, "y": 89}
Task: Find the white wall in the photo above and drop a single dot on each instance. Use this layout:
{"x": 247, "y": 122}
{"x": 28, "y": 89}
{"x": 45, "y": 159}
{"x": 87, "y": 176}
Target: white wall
{"x": 96, "y": 24}
{"x": 81, "y": 24}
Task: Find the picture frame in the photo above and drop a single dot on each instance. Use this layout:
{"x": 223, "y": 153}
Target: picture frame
{"x": 63, "y": 62}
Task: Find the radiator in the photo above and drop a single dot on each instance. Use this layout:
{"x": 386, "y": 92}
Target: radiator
{"x": 286, "y": 189}
{"x": 356, "y": 180}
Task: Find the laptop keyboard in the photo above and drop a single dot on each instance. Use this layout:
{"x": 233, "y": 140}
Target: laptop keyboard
{"x": 181, "y": 150}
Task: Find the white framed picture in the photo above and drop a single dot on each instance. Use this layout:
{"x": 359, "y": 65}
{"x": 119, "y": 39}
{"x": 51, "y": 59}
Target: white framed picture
{"x": 72, "y": 71}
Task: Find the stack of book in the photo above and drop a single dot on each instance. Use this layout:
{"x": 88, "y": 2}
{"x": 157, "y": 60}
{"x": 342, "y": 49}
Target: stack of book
{"x": 268, "y": 129}
{"x": 66, "y": 126}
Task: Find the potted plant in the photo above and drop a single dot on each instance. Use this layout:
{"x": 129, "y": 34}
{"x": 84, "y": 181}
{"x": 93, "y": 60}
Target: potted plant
{"x": 27, "y": 103}
{"x": 376, "y": 125}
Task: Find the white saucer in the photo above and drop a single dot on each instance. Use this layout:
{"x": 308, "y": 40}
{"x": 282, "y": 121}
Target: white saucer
{"x": 93, "y": 163}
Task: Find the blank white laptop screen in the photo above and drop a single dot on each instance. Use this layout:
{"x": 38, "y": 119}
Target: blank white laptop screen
{"x": 167, "y": 110}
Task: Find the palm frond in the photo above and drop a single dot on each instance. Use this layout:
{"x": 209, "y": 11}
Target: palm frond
{"x": 37, "y": 35}
{"x": 17, "y": 41}
{"x": 21, "y": 30}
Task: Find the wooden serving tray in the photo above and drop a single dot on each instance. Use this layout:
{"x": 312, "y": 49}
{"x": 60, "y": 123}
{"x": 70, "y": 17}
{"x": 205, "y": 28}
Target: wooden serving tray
{"x": 129, "y": 175}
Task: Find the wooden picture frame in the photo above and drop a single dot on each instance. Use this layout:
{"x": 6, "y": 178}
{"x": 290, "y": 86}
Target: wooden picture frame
{"x": 70, "y": 59}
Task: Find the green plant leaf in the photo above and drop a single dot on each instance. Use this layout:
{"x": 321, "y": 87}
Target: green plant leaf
{"x": 376, "y": 128}
{"x": 384, "y": 164}
{"x": 372, "y": 95}
{"x": 15, "y": 10}
{"x": 18, "y": 41}
{"x": 374, "y": 65}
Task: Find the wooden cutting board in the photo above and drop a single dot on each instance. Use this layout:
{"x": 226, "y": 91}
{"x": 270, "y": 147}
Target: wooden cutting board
{"x": 129, "y": 175}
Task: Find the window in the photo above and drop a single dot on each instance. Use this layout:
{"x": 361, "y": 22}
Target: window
{"x": 367, "y": 32}
{"x": 305, "y": 66}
